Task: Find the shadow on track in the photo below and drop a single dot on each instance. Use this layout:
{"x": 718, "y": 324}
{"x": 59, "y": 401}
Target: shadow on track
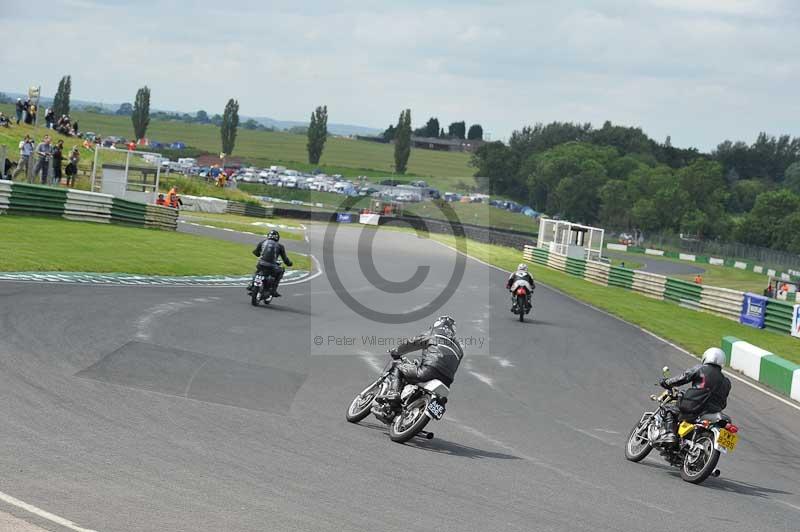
{"x": 289, "y": 310}
{"x": 439, "y": 445}
{"x": 725, "y": 484}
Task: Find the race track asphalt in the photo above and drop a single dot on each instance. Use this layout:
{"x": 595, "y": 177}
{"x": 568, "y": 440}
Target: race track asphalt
{"x": 653, "y": 264}
{"x": 186, "y": 409}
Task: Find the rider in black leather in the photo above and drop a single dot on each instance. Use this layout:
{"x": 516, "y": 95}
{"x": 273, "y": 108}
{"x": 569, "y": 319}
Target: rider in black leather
{"x": 268, "y": 251}
{"x": 441, "y": 355}
{"x": 521, "y": 275}
{"x": 708, "y": 393}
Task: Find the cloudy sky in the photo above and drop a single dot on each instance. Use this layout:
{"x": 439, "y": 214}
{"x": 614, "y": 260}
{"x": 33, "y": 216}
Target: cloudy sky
{"x": 698, "y": 70}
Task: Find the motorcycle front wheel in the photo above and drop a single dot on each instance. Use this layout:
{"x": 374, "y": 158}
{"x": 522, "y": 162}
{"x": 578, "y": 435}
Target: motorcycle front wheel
{"x": 701, "y": 461}
{"x": 638, "y": 445}
{"x": 410, "y": 421}
{"x": 362, "y": 404}
{"x": 255, "y": 295}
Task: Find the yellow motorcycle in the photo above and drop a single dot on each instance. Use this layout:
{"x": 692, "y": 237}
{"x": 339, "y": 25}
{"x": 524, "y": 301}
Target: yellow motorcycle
{"x": 700, "y": 441}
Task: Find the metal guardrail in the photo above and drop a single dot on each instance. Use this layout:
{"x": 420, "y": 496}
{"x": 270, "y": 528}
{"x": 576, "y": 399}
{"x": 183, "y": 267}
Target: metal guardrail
{"x": 249, "y": 209}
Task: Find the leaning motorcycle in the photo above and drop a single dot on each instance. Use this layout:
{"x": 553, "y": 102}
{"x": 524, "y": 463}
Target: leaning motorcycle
{"x": 419, "y": 403}
{"x": 261, "y": 288}
{"x": 519, "y": 298}
{"x": 700, "y": 441}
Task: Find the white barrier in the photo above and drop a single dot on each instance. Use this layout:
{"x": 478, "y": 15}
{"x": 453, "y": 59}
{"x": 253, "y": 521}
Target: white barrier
{"x": 369, "y": 219}
{"x": 771, "y": 273}
{"x": 617, "y": 247}
{"x": 758, "y": 269}
{"x": 716, "y": 262}
{"x": 686, "y": 256}
{"x": 657, "y": 252}
{"x": 740, "y": 265}
{"x": 88, "y": 206}
{"x": 723, "y": 301}
{"x": 203, "y": 204}
{"x": 5, "y": 195}
{"x": 649, "y": 284}
{"x": 747, "y": 359}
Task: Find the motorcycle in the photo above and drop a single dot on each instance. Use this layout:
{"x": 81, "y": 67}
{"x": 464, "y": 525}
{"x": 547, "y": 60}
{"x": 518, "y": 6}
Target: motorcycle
{"x": 261, "y": 288}
{"x": 519, "y": 298}
{"x": 419, "y": 403}
{"x": 700, "y": 441}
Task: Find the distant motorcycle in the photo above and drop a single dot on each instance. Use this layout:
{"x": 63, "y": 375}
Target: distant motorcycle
{"x": 700, "y": 441}
{"x": 260, "y": 289}
{"x": 519, "y": 298}
{"x": 419, "y": 403}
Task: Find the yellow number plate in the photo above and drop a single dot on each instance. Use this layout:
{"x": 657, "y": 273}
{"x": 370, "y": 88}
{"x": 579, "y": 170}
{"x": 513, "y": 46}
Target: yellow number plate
{"x": 728, "y": 440}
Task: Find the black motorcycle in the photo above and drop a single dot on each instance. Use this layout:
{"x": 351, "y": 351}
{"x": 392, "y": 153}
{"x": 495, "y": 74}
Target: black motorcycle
{"x": 700, "y": 440}
{"x": 261, "y": 288}
{"x": 519, "y": 299}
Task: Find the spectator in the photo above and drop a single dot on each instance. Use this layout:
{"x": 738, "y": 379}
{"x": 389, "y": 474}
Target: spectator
{"x": 20, "y": 109}
{"x": 72, "y": 167}
{"x": 49, "y": 118}
{"x": 26, "y": 111}
{"x": 58, "y": 157}
{"x": 7, "y": 169}
{"x": 43, "y": 151}
{"x": 25, "y": 152}
{"x": 4, "y": 120}
{"x": 769, "y": 292}
{"x": 75, "y": 128}
{"x": 173, "y": 200}
{"x": 160, "y": 200}
{"x": 698, "y": 279}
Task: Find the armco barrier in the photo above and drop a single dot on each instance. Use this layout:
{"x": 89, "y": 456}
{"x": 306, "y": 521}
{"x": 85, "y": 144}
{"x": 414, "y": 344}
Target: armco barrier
{"x": 682, "y": 292}
{"x": 248, "y": 209}
{"x": 649, "y": 284}
{"x": 767, "y": 368}
{"x": 778, "y": 316}
{"x": 80, "y": 205}
{"x": 620, "y": 277}
{"x": 722, "y": 301}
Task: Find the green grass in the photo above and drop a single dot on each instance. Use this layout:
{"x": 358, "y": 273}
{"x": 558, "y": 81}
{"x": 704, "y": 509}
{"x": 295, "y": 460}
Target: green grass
{"x": 692, "y": 330}
{"x": 721, "y": 276}
{"x": 262, "y": 148}
{"x": 242, "y": 223}
{"x": 92, "y": 247}
{"x": 630, "y": 264}
{"x": 199, "y": 187}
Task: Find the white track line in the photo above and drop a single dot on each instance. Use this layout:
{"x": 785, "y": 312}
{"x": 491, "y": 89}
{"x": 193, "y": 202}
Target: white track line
{"x": 66, "y": 523}
{"x": 664, "y": 340}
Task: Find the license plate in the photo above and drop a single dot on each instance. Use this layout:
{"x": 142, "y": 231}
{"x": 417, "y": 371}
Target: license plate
{"x": 727, "y": 440}
{"x": 435, "y": 409}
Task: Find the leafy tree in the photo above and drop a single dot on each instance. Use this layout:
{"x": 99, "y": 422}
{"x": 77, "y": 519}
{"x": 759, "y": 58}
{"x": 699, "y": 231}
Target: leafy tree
{"x": 251, "y": 124}
{"x": 644, "y": 214}
{"x": 615, "y": 204}
{"x": 442, "y": 134}
{"x": 402, "y": 142}
{"x": 216, "y": 120}
{"x": 576, "y": 195}
{"x": 230, "y": 123}
{"x": 61, "y": 100}
{"x": 767, "y": 224}
{"x": 430, "y": 129}
{"x": 389, "y": 133}
{"x": 141, "y": 112}
{"x": 202, "y": 117}
{"x": 743, "y": 195}
{"x": 495, "y": 172}
{"x": 457, "y": 130}
{"x": 792, "y": 178}
{"x": 475, "y": 132}
{"x": 125, "y": 109}
{"x": 317, "y": 134}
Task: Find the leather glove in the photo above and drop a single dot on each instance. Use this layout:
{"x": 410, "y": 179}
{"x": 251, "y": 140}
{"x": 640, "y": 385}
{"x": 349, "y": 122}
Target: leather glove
{"x": 393, "y": 353}
{"x": 663, "y": 384}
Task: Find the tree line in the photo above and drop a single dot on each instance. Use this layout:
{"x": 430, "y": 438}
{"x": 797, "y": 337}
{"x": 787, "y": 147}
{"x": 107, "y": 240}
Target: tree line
{"x": 620, "y": 178}
{"x": 431, "y": 129}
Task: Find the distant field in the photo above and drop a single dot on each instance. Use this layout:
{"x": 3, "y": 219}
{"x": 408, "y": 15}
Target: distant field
{"x": 262, "y": 148}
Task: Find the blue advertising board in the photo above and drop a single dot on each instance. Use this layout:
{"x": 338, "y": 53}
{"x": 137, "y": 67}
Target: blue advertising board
{"x": 344, "y": 217}
{"x": 754, "y": 309}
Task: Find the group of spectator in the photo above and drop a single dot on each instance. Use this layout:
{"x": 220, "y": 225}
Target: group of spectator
{"x": 63, "y": 125}
{"x": 172, "y": 199}
{"x": 26, "y": 111}
{"x": 35, "y": 161}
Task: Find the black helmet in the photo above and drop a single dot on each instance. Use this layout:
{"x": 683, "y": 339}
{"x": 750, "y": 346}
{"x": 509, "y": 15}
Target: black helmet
{"x": 274, "y": 235}
{"x": 444, "y": 325}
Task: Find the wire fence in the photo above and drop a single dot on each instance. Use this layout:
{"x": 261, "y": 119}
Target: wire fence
{"x": 730, "y": 250}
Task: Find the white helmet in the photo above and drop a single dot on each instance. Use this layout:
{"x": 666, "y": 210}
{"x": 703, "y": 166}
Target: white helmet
{"x": 522, "y": 267}
{"x": 714, "y": 355}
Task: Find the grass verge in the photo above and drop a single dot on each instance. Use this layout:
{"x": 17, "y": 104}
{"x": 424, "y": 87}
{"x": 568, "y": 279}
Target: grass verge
{"x": 244, "y": 223}
{"x": 52, "y": 244}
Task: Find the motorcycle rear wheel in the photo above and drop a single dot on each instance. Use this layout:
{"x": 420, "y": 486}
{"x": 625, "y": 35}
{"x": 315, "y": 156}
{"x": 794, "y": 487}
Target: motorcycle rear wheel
{"x": 401, "y": 432}
{"x": 521, "y": 307}
{"x": 637, "y": 454}
{"x": 696, "y": 476}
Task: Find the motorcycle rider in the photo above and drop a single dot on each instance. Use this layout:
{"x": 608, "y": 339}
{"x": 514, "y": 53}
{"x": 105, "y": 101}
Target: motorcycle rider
{"x": 708, "y": 393}
{"x": 521, "y": 276}
{"x": 441, "y": 355}
{"x": 268, "y": 251}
